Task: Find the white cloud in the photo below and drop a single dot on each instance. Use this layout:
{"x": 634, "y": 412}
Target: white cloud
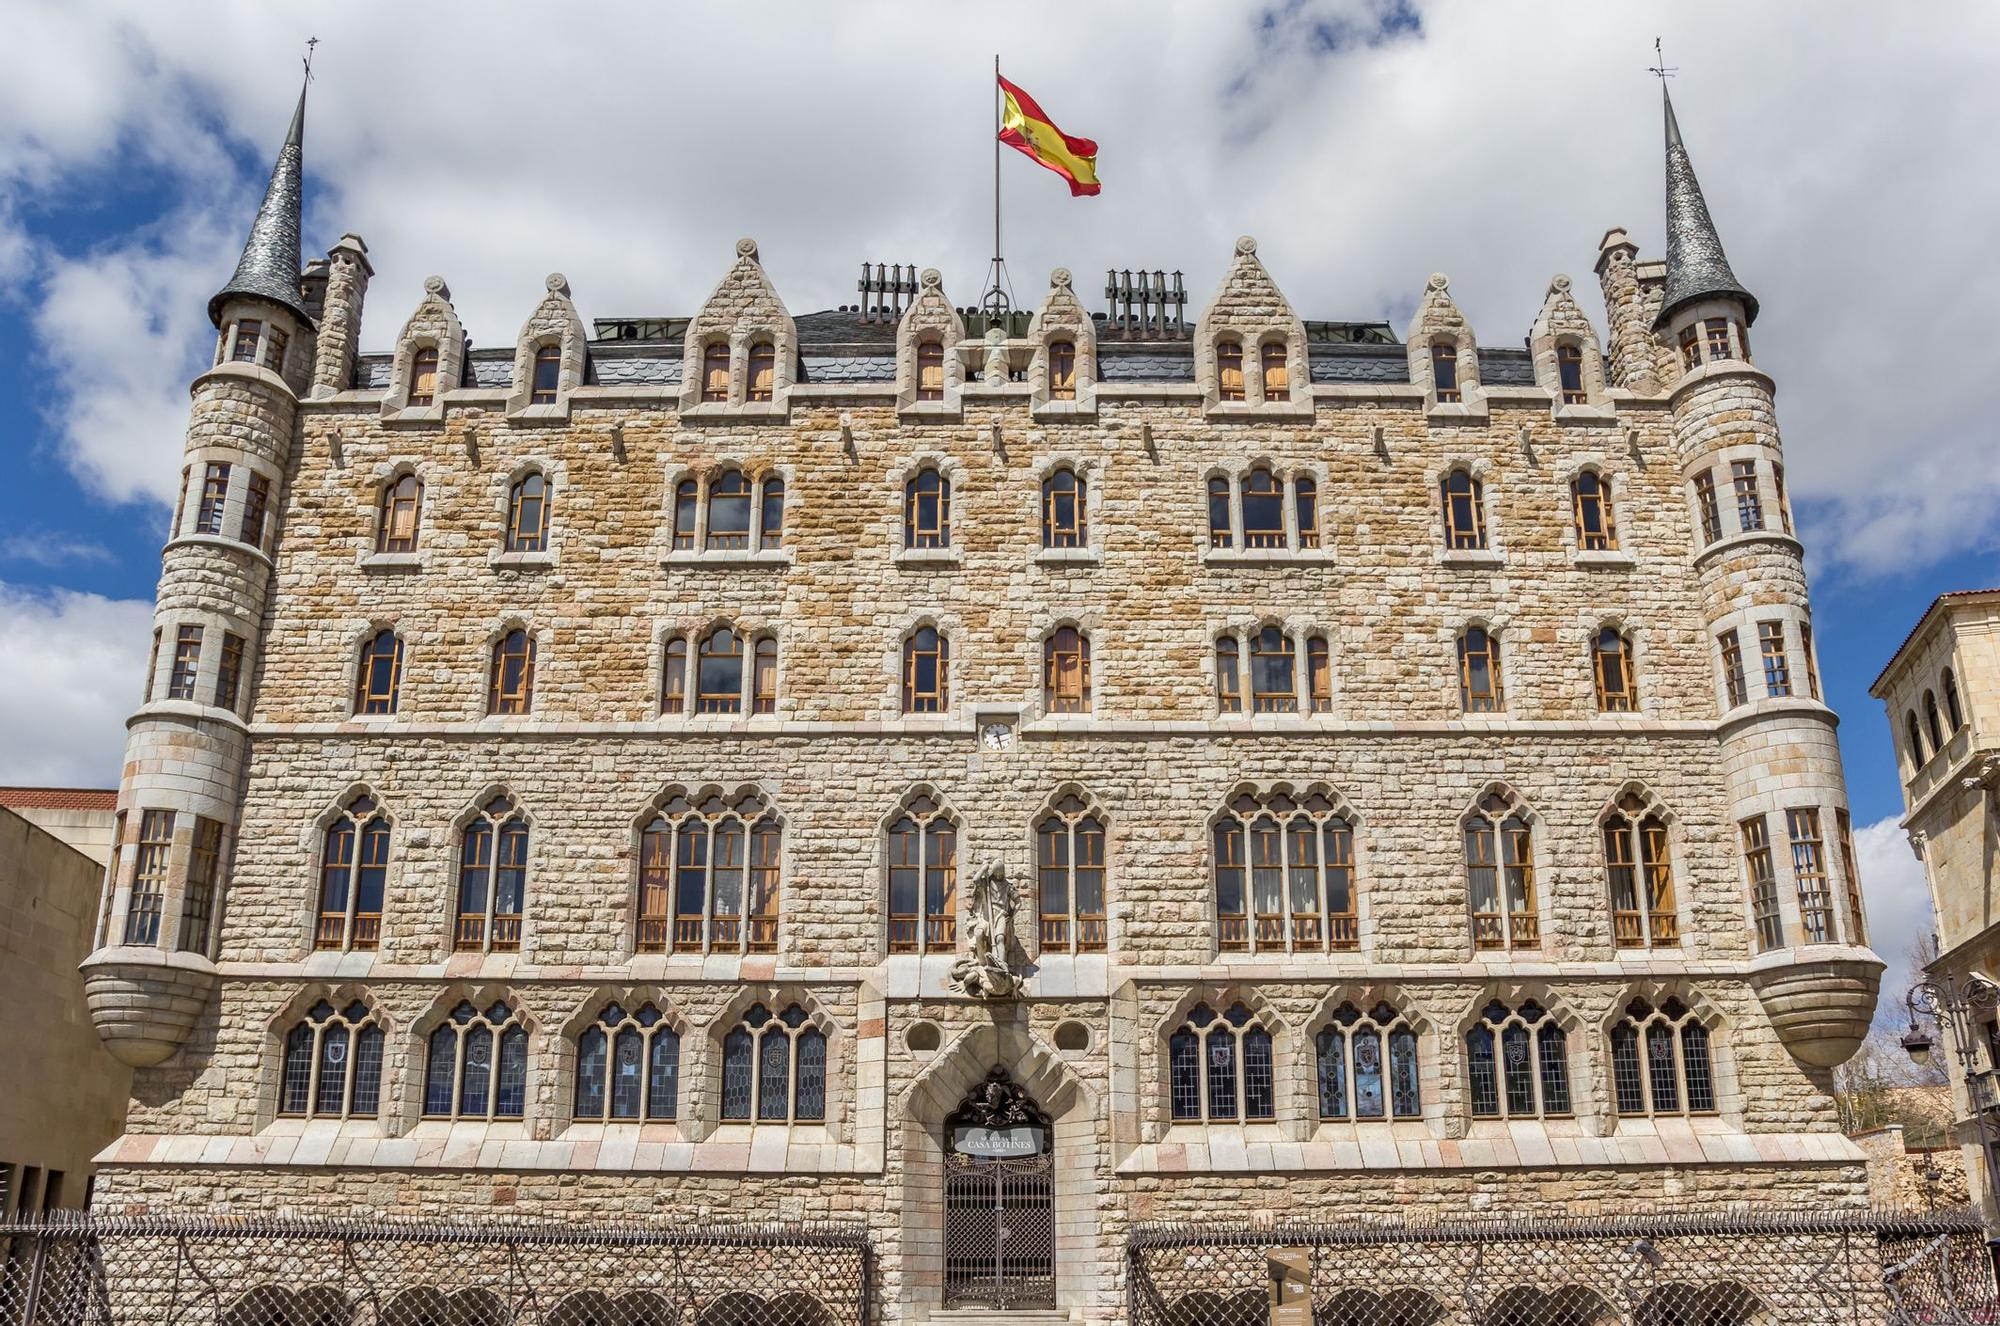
{"x": 75, "y": 667}
{"x": 1899, "y": 910}
{"x": 42, "y": 548}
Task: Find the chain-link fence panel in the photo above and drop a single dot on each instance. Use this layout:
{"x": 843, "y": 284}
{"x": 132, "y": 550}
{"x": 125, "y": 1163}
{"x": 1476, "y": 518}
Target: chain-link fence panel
{"x": 1801, "y": 1269}
{"x": 77, "y": 1271}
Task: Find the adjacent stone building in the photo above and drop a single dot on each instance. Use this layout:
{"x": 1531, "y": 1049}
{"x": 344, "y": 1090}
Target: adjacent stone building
{"x": 755, "y": 765}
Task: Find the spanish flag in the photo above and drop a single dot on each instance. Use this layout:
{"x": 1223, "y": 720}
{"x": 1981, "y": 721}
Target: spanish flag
{"x": 1026, "y": 129}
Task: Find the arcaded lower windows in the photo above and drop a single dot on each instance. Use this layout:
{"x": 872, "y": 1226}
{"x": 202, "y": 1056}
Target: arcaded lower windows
{"x": 1062, "y": 370}
{"x": 229, "y": 671}
{"x": 774, "y": 1068}
{"x": 1444, "y": 372}
{"x": 402, "y": 513}
{"x": 1517, "y": 1062}
{"x": 1711, "y": 513}
{"x": 1639, "y": 866}
{"x": 709, "y": 876}
{"x": 149, "y": 877}
{"x": 926, "y": 671}
{"x": 923, "y": 879}
{"x": 927, "y": 510}
{"x": 1660, "y": 1061}
{"x": 1809, "y": 874}
{"x": 762, "y": 379}
{"x": 187, "y": 661}
{"x": 214, "y": 494}
{"x": 1500, "y": 874}
{"x": 1284, "y": 875}
{"x": 1064, "y": 513}
{"x": 1757, "y": 866}
{"x": 1611, "y": 668}
{"x": 528, "y": 514}
{"x": 353, "y": 876}
{"x": 1749, "y": 504}
{"x": 1220, "y": 1070}
{"x": 203, "y": 874}
{"x": 548, "y": 376}
{"x": 1590, "y": 502}
{"x": 1229, "y": 370}
{"x": 628, "y": 1067}
{"x": 332, "y": 1065}
{"x": 1479, "y": 686}
{"x": 1734, "y": 684}
{"x": 930, "y": 371}
{"x": 1569, "y": 374}
{"x": 1367, "y": 1066}
{"x": 1277, "y": 377}
{"x": 492, "y": 879}
{"x": 1066, "y": 672}
{"x": 1069, "y": 870}
{"x": 476, "y": 1064}
{"x": 1464, "y": 511}
{"x": 1771, "y": 648}
{"x": 424, "y": 376}
{"x": 511, "y": 688}
{"x": 379, "y": 678}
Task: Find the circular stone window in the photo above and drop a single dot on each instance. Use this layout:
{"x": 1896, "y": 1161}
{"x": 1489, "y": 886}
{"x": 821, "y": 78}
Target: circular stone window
{"x": 1072, "y": 1037}
{"x": 923, "y": 1037}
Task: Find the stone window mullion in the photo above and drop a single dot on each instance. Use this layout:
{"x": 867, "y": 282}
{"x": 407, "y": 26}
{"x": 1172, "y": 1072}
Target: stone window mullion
{"x": 1288, "y": 498}
{"x": 1237, "y": 531}
{"x": 1301, "y": 684}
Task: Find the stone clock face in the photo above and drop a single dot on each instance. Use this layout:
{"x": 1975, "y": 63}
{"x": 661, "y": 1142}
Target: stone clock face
{"x": 997, "y": 736}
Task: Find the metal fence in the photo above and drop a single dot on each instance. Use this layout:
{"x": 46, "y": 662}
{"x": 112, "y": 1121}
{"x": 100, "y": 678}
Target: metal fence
{"x": 76, "y": 1271}
{"x": 1808, "y": 1269}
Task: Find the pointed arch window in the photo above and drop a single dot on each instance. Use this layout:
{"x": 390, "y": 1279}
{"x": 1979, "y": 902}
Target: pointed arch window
{"x": 353, "y": 876}
{"x": 1263, "y": 509}
{"x": 1070, "y": 872}
{"x": 927, "y": 510}
{"x": 729, "y": 511}
{"x": 1479, "y": 686}
{"x": 1590, "y": 503}
{"x": 1464, "y": 511}
{"x": 1062, "y": 370}
{"x": 378, "y": 680}
{"x": 628, "y": 1067}
{"x": 1500, "y": 874}
{"x": 492, "y": 879}
{"x": 1277, "y": 374}
{"x": 687, "y": 500}
{"x": 528, "y": 514}
{"x": 1611, "y": 667}
{"x": 709, "y": 876}
{"x": 1569, "y": 374}
{"x": 763, "y": 376}
{"x": 1932, "y": 723}
{"x": 774, "y": 1068}
{"x": 1063, "y": 510}
{"x": 1066, "y": 672}
{"x": 1951, "y": 704}
{"x": 1284, "y": 875}
{"x": 1660, "y": 1061}
{"x": 923, "y": 879}
{"x": 548, "y": 375}
{"x": 926, "y": 671}
{"x": 714, "y": 373}
{"x": 476, "y": 1064}
{"x": 1367, "y": 1066}
{"x": 512, "y": 689}
{"x": 1639, "y": 865}
{"x": 930, "y": 371}
{"x": 1219, "y": 1069}
{"x": 332, "y": 1065}
{"x": 424, "y": 375}
{"x": 1229, "y": 370}
{"x": 1444, "y": 372}
{"x": 1517, "y": 1062}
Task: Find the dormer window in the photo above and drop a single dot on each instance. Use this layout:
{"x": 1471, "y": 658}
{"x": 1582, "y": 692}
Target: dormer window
{"x": 1062, "y": 370}
{"x": 1569, "y": 373}
{"x": 715, "y": 374}
{"x": 1716, "y": 332}
{"x": 930, "y": 371}
{"x": 248, "y": 332}
{"x": 1277, "y": 377}
{"x": 423, "y": 376}
{"x": 763, "y": 371}
{"x": 1444, "y": 372}
{"x": 1229, "y": 370}
{"x": 548, "y": 372}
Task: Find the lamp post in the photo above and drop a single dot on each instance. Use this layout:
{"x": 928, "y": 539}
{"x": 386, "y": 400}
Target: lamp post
{"x": 1955, "y": 1002}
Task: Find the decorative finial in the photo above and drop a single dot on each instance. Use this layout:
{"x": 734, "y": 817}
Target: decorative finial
{"x": 746, "y": 248}
{"x": 1246, "y": 245}
{"x": 1660, "y": 65}
{"x": 310, "y": 43}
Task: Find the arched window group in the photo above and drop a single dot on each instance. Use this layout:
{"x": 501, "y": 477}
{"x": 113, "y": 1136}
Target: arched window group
{"x": 737, "y": 514}
{"x": 628, "y": 1067}
{"x": 923, "y": 879}
{"x": 1500, "y": 874}
{"x": 1272, "y": 364}
{"x": 732, "y": 673}
{"x": 1262, "y": 510}
{"x": 1938, "y": 726}
{"x": 1221, "y": 1069}
{"x": 1367, "y": 1066}
{"x": 476, "y": 1064}
{"x": 1276, "y": 684}
{"x": 1638, "y": 862}
{"x": 1517, "y": 1063}
{"x": 774, "y": 1068}
{"x": 492, "y": 878}
{"x": 1660, "y": 1061}
{"x": 353, "y": 875}
{"x": 709, "y": 876}
{"x": 1284, "y": 875}
{"x": 332, "y": 1064}
{"x": 1069, "y": 868}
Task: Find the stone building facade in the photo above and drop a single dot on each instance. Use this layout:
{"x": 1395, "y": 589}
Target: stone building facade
{"x": 566, "y": 767}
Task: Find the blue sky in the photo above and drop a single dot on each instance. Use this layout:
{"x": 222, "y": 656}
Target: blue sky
{"x": 1365, "y": 143}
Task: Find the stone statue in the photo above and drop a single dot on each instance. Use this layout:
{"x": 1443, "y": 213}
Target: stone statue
{"x": 995, "y": 372}
{"x": 983, "y": 972}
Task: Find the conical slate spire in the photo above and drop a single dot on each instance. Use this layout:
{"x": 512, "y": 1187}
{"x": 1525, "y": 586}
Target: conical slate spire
{"x": 269, "y": 267}
{"x": 1697, "y": 268}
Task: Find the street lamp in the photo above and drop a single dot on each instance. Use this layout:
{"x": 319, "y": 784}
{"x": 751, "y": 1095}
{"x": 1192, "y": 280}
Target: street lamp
{"x": 1955, "y": 1003}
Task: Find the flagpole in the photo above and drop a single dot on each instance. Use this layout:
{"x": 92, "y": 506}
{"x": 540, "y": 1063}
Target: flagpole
{"x": 996, "y": 171}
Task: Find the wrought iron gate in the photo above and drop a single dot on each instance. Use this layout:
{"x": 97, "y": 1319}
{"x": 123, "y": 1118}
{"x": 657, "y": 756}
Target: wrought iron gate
{"x": 999, "y": 1200}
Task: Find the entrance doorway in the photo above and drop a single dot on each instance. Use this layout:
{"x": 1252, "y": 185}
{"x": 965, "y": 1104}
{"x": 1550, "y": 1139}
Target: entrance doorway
{"x": 999, "y": 1199}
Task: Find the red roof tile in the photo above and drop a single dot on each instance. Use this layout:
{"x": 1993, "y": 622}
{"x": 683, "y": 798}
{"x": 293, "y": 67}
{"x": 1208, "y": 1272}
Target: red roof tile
{"x": 60, "y": 798}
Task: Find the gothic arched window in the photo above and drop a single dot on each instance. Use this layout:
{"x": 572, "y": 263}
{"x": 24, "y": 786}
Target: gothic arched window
{"x": 1641, "y": 876}
{"x": 1464, "y": 510}
{"x": 926, "y": 672}
{"x": 927, "y": 510}
{"x": 476, "y": 1064}
{"x": 628, "y": 1066}
{"x": 1517, "y": 1062}
{"x": 923, "y": 879}
{"x": 1069, "y": 867}
{"x": 1284, "y": 875}
{"x": 709, "y": 876}
{"x": 513, "y": 685}
{"x": 1660, "y": 1061}
{"x": 1066, "y": 672}
{"x": 379, "y": 677}
{"x": 1500, "y": 874}
{"x": 774, "y": 1068}
{"x": 1479, "y": 687}
{"x": 1368, "y": 1065}
{"x": 1611, "y": 669}
{"x": 492, "y": 879}
{"x": 1063, "y": 514}
{"x": 528, "y": 514}
{"x": 353, "y": 875}
{"x": 332, "y": 1065}
{"x": 1590, "y": 504}
{"x": 401, "y": 516}
{"x": 1220, "y": 1070}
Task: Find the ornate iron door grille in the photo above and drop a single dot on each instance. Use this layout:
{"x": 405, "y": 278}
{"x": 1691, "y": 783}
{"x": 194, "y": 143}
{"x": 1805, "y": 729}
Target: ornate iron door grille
{"x": 999, "y": 1231}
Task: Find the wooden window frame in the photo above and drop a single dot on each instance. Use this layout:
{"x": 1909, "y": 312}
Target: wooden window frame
{"x": 764, "y": 675}
{"x": 1229, "y": 384}
{"x": 528, "y": 501}
{"x": 356, "y": 840}
{"x": 721, "y": 644}
{"x": 1305, "y": 510}
{"x": 185, "y": 667}
{"x": 1306, "y": 855}
{"x": 276, "y": 346}
{"x": 1690, "y": 346}
{"x": 1817, "y": 922}
{"x": 1469, "y": 536}
{"x": 1062, "y": 370}
{"x": 1857, "y": 915}
{"x": 1069, "y": 863}
{"x": 691, "y": 844}
{"x": 1228, "y": 675}
{"x": 1771, "y": 652}
{"x": 249, "y": 337}
{"x": 1749, "y": 502}
{"x": 1274, "y": 364}
{"x": 1319, "y": 674}
{"x": 1285, "y": 701}
{"x": 505, "y": 837}
{"x": 927, "y": 509}
{"x": 423, "y": 377}
{"x": 209, "y": 512}
{"x": 1444, "y": 373}
{"x": 1715, "y": 339}
{"x": 933, "y": 927}
{"x": 1705, "y": 505}
{"x": 1569, "y": 374}
{"x": 198, "y": 893}
{"x": 930, "y": 371}
{"x": 256, "y": 506}
{"x": 229, "y": 672}
{"x": 1263, "y": 485}
{"x": 545, "y": 375}
{"x": 936, "y": 701}
{"x": 1064, "y": 486}
{"x": 761, "y": 378}
{"x": 1066, "y": 671}
{"x": 1486, "y": 647}
{"x": 511, "y": 688}
{"x": 1615, "y": 694}
{"x": 400, "y": 524}
{"x": 731, "y": 486}
{"x": 1638, "y": 863}
{"x": 369, "y": 698}
{"x": 1223, "y": 534}
{"x": 1499, "y": 846}
{"x": 152, "y": 866}
{"x": 1736, "y": 684}
{"x": 1590, "y": 505}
